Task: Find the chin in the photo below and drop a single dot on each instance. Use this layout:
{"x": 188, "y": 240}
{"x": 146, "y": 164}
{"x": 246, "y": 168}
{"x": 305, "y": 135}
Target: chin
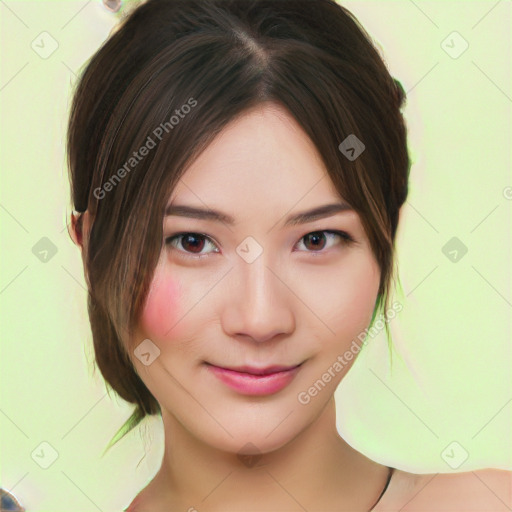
{"x": 250, "y": 441}
{"x": 255, "y": 428}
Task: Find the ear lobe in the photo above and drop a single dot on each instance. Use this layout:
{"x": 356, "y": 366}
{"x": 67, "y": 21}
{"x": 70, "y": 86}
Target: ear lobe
{"x": 75, "y": 228}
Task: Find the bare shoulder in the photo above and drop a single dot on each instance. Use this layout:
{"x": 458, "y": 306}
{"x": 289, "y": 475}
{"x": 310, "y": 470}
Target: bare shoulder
{"x": 150, "y": 499}
{"x": 484, "y": 490}
{"x": 141, "y": 502}
{"x": 134, "y": 505}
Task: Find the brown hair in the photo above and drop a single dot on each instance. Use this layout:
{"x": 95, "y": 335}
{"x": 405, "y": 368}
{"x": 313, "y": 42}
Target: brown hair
{"x": 221, "y": 58}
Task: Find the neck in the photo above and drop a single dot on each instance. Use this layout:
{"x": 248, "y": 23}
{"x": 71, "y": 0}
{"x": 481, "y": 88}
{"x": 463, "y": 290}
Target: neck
{"x": 194, "y": 475}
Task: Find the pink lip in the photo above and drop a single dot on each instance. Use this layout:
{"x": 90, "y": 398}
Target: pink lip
{"x": 255, "y": 381}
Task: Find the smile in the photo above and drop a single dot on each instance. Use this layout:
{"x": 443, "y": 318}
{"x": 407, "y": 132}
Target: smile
{"x": 255, "y": 381}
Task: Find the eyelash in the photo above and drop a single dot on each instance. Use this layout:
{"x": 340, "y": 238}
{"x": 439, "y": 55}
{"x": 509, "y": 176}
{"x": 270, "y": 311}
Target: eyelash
{"x": 346, "y": 239}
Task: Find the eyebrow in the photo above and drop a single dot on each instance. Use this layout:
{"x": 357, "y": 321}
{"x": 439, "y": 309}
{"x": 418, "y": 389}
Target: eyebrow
{"x": 319, "y": 212}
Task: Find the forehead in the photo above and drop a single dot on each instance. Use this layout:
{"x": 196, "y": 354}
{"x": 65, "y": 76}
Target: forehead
{"x": 262, "y": 158}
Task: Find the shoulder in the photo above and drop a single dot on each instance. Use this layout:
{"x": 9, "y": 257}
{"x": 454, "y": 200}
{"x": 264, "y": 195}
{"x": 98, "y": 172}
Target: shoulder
{"x": 149, "y": 500}
{"x": 484, "y": 490}
{"x": 132, "y": 507}
{"x": 138, "y": 504}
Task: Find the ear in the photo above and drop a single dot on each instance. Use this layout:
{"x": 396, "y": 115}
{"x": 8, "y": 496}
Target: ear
{"x": 74, "y": 231}
{"x": 78, "y": 227}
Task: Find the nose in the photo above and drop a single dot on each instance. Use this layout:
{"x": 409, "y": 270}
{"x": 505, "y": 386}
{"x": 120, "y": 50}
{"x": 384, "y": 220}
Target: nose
{"x": 259, "y": 304}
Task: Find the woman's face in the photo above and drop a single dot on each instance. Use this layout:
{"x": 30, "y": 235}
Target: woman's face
{"x": 255, "y": 291}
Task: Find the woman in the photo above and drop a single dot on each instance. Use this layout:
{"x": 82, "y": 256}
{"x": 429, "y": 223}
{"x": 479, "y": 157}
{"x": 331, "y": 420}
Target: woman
{"x": 237, "y": 170}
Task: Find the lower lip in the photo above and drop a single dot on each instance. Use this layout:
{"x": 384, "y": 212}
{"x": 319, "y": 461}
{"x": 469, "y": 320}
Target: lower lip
{"x": 255, "y": 385}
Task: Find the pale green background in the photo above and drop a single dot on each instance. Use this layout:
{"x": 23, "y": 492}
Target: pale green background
{"x": 451, "y": 381}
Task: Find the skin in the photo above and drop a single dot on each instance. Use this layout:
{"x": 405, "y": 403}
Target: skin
{"x": 293, "y": 304}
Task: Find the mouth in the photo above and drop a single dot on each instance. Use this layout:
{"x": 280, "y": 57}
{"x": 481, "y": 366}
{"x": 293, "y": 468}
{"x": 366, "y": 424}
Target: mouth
{"x": 250, "y": 380}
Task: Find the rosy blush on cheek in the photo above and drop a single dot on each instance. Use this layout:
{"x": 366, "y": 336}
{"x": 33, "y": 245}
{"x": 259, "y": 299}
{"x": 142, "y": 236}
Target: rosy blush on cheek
{"x": 160, "y": 316}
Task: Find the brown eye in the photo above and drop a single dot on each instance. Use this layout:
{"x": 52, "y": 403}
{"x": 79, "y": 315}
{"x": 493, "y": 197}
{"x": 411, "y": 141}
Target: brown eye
{"x": 191, "y": 243}
{"x": 317, "y": 240}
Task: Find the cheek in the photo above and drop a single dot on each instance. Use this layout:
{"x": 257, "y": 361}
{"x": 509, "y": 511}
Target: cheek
{"x": 161, "y": 315}
{"x": 352, "y": 292}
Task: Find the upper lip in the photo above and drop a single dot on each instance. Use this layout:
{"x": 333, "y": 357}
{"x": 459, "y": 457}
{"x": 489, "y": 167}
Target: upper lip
{"x": 254, "y": 370}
